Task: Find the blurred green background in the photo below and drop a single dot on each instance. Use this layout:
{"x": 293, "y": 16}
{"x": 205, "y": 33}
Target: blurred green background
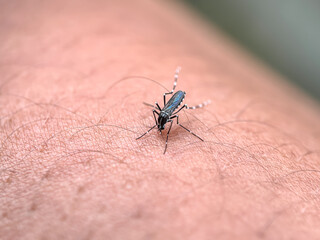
{"x": 285, "y": 34}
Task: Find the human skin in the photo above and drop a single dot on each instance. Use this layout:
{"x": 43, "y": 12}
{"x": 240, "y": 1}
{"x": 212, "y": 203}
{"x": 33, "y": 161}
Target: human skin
{"x": 71, "y": 110}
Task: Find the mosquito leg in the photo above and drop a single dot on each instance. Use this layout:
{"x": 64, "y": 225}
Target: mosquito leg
{"x": 187, "y": 128}
{"x": 184, "y": 106}
{"x": 158, "y": 107}
{"x": 199, "y": 105}
{"x": 165, "y": 148}
{"x": 150, "y": 105}
{"x": 155, "y": 119}
{"x": 176, "y": 75}
{"x": 146, "y": 132}
{"x": 154, "y": 115}
{"x": 194, "y": 107}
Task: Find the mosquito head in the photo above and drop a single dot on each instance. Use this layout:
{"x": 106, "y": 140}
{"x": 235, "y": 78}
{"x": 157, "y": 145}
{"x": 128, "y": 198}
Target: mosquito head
{"x": 162, "y": 120}
{"x": 160, "y": 127}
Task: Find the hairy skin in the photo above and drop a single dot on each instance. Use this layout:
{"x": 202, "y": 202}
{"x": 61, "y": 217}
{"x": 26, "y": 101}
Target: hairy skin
{"x": 71, "y": 108}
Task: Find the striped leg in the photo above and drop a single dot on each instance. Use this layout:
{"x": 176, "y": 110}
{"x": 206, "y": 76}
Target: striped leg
{"x": 194, "y": 107}
{"x": 199, "y": 105}
{"x": 155, "y": 119}
{"x": 176, "y": 75}
{"x": 146, "y": 132}
{"x": 177, "y": 116}
{"x": 165, "y": 148}
{"x": 150, "y": 105}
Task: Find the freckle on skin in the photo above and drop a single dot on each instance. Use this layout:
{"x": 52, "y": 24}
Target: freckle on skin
{"x": 46, "y": 175}
{"x": 137, "y": 214}
{"x": 81, "y": 189}
{"x": 9, "y": 180}
{"x": 63, "y": 217}
{"x": 33, "y": 207}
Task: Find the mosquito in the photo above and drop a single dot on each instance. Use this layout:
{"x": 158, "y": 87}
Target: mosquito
{"x": 170, "y": 112}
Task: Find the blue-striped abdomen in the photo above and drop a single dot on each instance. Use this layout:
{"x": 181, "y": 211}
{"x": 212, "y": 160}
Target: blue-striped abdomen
{"x": 174, "y": 102}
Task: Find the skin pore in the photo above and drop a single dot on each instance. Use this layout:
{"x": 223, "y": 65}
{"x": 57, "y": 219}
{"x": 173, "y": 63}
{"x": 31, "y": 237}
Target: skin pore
{"x": 74, "y": 76}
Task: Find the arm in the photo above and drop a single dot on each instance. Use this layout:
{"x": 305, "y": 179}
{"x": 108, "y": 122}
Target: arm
{"x": 70, "y": 114}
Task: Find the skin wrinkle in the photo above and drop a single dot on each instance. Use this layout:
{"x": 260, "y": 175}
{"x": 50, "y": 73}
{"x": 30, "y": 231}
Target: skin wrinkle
{"x": 260, "y": 123}
{"x": 79, "y": 133}
{"x": 257, "y": 101}
{"x": 38, "y": 104}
